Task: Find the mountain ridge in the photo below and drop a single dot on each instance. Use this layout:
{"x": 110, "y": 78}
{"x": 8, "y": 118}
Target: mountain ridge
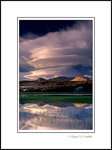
{"x": 59, "y": 78}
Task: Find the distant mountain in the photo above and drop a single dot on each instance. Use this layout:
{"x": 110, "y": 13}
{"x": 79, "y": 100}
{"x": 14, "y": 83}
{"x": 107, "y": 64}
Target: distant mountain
{"x": 61, "y": 78}
{"x": 79, "y": 79}
{"x": 56, "y": 84}
{"x": 40, "y": 79}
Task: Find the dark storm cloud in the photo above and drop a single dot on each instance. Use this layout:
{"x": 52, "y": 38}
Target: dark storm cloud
{"x": 81, "y": 68}
{"x": 30, "y": 29}
{"x": 42, "y": 27}
{"x": 25, "y": 68}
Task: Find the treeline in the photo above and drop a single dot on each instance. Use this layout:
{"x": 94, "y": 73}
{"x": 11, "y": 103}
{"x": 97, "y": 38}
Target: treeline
{"x": 56, "y": 86}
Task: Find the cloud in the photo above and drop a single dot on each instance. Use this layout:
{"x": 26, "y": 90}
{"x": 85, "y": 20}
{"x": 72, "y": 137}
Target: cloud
{"x": 25, "y": 68}
{"x": 64, "y": 48}
{"x": 45, "y": 73}
{"x": 87, "y": 76}
{"x": 61, "y": 60}
{"x": 69, "y": 71}
{"x": 82, "y": 68}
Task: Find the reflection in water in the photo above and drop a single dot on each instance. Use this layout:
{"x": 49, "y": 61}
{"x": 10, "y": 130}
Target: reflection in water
{"x": 79, "y": 105}
{"x": 57, "y": 116}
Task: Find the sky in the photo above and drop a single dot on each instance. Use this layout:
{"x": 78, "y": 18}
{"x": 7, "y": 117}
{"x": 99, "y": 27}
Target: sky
{"x": 52, "y": 48}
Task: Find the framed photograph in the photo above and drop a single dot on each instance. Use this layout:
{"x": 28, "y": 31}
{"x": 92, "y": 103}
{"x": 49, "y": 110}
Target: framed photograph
{"x": 56, "y": 74}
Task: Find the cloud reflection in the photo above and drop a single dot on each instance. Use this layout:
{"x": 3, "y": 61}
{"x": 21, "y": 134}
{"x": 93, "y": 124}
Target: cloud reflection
{"x": 35, "y": 117}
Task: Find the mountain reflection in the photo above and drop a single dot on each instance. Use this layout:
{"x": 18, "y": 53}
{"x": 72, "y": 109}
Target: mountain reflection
{"x": 55, "y": 116}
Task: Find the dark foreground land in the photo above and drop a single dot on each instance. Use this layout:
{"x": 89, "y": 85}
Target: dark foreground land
{"x": 55, "y": 86}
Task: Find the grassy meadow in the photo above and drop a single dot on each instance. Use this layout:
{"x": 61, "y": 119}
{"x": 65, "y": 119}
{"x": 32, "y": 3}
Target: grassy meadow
{"x": 32, "y": 97}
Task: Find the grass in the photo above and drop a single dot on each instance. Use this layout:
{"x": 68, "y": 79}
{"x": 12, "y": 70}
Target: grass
{"x": 55, "y": 93}
{"x": 27, "y": 97}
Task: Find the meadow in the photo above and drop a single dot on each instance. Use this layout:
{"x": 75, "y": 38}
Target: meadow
{"x": 32, "y": 97}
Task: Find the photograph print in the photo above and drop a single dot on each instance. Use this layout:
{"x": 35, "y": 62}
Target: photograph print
{"x": 55, "y": 74}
